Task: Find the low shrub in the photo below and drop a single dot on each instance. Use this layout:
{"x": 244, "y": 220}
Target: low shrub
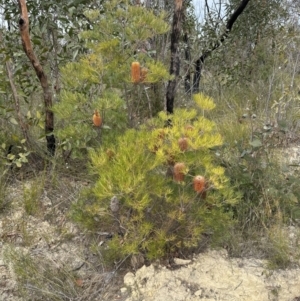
{"x": 260, "y": 172}
{"x": 145, "y": 200}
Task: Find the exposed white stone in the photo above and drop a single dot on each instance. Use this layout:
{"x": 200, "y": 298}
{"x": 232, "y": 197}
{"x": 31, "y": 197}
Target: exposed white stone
{"x": 129, "y": 279}
{"x": 198, "y": 293}
{"x": 180, "y": 261}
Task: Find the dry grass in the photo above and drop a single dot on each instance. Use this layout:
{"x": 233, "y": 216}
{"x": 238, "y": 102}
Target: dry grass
{"x": 48, "y": 255}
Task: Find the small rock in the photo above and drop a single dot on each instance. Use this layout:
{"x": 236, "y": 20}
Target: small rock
{"x": 114, "y": 204}
{"x": 129, "y": 279}
{"x": 198, "y": 293}
{"x": 180, "y": 261}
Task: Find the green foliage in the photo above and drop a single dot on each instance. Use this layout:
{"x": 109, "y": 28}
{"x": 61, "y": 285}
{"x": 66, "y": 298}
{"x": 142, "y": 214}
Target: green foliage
{"x": 101, "y": 78}
{"x": 18, "y": 154}
{"x": 55, "y": 41}
{"x": 75, "y": 129}
{"x": 258, "y": 170}
{"x": 156, "y": 213}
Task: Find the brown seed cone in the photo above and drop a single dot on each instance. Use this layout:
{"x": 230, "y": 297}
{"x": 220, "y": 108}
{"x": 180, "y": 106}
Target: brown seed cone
{"x": 183, "y": 143}
{"x": 178, "y": 174}
{"x": 199, "y": 183}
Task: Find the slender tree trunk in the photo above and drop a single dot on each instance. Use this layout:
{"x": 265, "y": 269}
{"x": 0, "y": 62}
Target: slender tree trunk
{"x": 188, "y": 59}
{"x": 27, "y": 46}
{"x": 175, "y": 55}
{"x": 217, "y": 44}
{"x": 57, "y": 87}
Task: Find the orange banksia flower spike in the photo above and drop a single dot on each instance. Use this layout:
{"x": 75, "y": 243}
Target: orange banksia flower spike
{"x": 135, "y": 72}
{"x": 97, "y": 120}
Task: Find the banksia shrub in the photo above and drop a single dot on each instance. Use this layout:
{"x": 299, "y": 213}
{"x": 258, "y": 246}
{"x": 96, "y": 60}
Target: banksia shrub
{"x": 100, "y": 75}
{"x": 158, "y": 213}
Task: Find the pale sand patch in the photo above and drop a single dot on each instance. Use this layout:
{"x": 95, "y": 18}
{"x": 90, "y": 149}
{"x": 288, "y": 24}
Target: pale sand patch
{"x": 214, "y": 276}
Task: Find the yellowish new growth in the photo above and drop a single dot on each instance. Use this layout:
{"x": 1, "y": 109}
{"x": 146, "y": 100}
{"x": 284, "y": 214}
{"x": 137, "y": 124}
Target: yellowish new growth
{"x": 204, "y": 102}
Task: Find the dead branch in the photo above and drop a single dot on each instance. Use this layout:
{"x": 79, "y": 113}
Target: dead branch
{"x": 27, "y": 46}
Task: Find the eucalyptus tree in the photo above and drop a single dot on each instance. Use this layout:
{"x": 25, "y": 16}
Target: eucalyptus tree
{"x": 54, "y": 28}
{"x": 260, "y": 21}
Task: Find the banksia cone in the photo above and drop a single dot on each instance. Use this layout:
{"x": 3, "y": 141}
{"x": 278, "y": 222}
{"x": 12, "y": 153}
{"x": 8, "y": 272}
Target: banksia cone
{"x": 97, "y": 120}
{"x": 183, "y": 144}
{"x": 178, "y": 174}
{"x": 135, "y": 72}
{"x": 199, "y": 184}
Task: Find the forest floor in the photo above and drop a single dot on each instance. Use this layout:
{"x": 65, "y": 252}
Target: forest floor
{"x": 44, "y": 256}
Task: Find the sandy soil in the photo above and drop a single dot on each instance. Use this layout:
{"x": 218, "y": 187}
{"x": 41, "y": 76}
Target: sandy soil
{"x": 214, "y": 276}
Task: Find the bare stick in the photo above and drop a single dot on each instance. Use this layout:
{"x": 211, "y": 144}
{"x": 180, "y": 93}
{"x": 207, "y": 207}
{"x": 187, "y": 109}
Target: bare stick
{"x": 27, "y": 46}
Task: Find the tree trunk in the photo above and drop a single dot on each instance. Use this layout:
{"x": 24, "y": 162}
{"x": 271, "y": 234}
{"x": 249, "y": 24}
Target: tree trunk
{"x": 27, "y": 46}
{"x": 188, "y": 59}
{"x": 175, "y": 55}
{"x": 217, "y": 44}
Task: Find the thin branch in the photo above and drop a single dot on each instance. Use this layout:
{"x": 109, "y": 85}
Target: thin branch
{"x": 217, "y": 44}
{"x": 208, "y": 12}
{"x": 188, "y": 59}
